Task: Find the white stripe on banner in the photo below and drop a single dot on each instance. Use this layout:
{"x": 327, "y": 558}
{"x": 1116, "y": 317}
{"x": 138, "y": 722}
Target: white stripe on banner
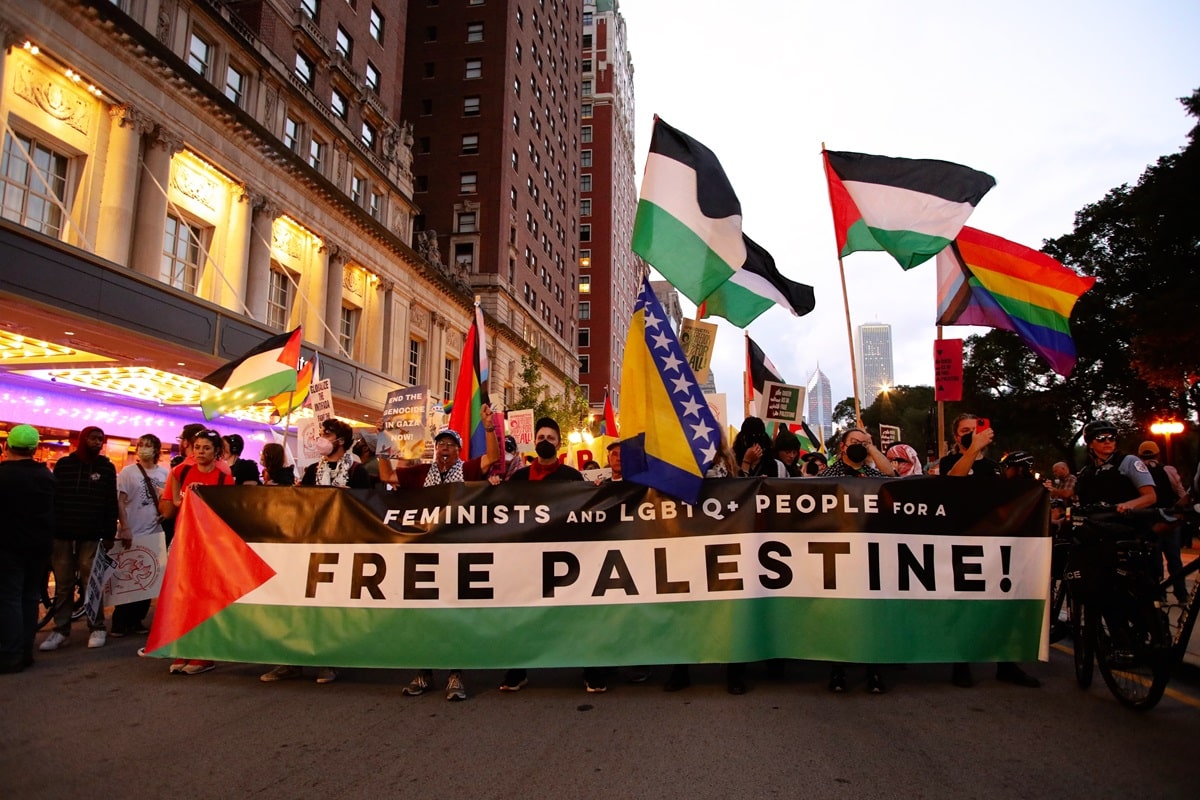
{"x": 719, "y": 567}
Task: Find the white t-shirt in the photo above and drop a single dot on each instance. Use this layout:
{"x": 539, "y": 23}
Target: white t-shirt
{"x": 141, "y": 510}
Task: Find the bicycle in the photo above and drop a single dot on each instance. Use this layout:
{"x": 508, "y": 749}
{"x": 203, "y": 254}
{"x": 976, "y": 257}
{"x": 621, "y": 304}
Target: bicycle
{"x": 1119, "y": 611}
{"x": 77, "y": 611}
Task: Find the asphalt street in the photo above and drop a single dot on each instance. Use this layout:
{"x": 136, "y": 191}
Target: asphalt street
{"x": 106, "y": 723}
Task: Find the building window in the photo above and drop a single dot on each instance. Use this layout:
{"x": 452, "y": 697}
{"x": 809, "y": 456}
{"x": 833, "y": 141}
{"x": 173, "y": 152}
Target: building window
{"x": 587, "y": 87}
{"x": 310, "y": 8}
{"x": 279, "y": 298}
{"x": 470, "y": 144}
{"x": 182, "y": 254}
{"x": 587, "y": 65}
{"x": 337, "y": 102}
{"x": 372, "y": 77}
{"x": 464, "y": 255}
{"x": 375, "y": 208}
{"x": 316, "y": 153}
{"x": 348, "y": 329}
{"x": 414, "y": 362}
{"x": 235, "y": 84}
{"x": 585, "y": 183}
{"x": 466, "y": 222}
{"x": 368, "y": 136}
{"x": 587, "y": 41}
{"x": 588, "y": 19}
{"x": 474, "y": 69}
{"x": 585, "y": 363}
{"x": 200, "y": 55}
{"x": 585, "y": 158}
{"x": 358, "y": 186}
{"x": 376, "y": 25}
{"x": 470, "y": 106}
{"x": 467, "y": 182}
{"x": 475, "y": 32}
{"x": 448, "y": 378}
{"x": 586, "y": 111}
{"x": 26, "y": 198}
{"x": 585, "y": 284}
{"x": 585, "y": 337}
{"x": 585, "y": 309}
{"x": 343, "y": 43}
{"x": 585, "y": 233}
{"x": 291, "y": 134}
{"x": 305, "y": 70}
{"x": 585, "y": 135}
{"x": 585, "y": 207}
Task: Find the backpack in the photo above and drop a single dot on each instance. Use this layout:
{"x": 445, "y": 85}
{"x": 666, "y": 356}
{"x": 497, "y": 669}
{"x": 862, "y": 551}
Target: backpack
{"x": 1167, "y": 497}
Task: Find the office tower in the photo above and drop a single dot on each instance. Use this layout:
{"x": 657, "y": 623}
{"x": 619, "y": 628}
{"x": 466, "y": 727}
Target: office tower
{"x": 874, "y": 360}
{"x": 820, "y": 405}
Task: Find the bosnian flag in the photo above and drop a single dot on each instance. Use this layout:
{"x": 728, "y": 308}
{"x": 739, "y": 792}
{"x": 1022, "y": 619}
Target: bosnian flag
{"x": 689, "y": 221}
{"x": 756, "y": 287}
{"x": 912, "y": 208}
{"x": 266, "y": 370}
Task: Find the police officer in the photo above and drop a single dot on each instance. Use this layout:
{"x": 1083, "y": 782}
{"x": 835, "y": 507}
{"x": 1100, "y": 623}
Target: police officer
{"x": 1120, "y": 479}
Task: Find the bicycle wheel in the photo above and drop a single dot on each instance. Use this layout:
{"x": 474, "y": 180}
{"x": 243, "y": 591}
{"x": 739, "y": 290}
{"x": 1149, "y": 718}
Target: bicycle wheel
{"x": 1085, "y": 640}
{"x": 1060, "y": 622}
{"x": 1133, "y": 651}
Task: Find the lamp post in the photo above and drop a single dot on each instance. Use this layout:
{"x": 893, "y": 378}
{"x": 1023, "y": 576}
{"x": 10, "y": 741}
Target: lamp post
{"x": 1167, "y": 428}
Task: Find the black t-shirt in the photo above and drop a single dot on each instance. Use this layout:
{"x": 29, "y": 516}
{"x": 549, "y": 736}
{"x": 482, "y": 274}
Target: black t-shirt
{"x": 983, "y": 468}
{"x": 244, "y": 471}
{"x": 563, "y": 473}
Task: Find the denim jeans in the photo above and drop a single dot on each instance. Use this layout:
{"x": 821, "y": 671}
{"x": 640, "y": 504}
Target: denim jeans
{"x": 21, "y": 578}
{"x": 68, "y": 559}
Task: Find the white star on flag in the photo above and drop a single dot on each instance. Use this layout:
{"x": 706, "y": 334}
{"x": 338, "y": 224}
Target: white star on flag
{"x": 691, "y": 407}
{"x": 671, "y": 362}
{"x": 702, "y": 431}
{"x": 663, "y": 341}
{"x": 682, "y": 384}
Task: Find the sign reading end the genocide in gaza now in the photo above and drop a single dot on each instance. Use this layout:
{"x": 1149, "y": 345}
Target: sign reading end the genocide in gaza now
{"x": 551, "y": 574}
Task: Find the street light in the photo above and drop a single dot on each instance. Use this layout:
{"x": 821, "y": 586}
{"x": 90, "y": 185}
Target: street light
{"x": 1166, "y": 428}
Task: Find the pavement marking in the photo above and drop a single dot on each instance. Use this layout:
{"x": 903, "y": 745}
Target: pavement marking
{"x": 1174, "y": 694}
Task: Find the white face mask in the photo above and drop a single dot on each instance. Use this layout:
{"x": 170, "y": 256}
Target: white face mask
{"x": 324, "y": 446}
{"x": 147, "y": 453}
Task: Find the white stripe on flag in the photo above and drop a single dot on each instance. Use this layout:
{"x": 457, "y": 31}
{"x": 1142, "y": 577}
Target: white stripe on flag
{"x": 671, "y": 186}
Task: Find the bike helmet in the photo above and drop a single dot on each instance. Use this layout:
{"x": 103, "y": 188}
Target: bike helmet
{"x": 1017, "y": 458}
{"x": 1097, "y": 427}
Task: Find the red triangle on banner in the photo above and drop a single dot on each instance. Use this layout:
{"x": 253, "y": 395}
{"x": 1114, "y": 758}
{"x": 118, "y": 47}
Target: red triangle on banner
{"x": 209, "y": 569}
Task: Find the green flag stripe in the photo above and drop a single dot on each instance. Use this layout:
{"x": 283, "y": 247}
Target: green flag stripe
{"x": 678, "y": 253}
{"x": 873, "y": 631}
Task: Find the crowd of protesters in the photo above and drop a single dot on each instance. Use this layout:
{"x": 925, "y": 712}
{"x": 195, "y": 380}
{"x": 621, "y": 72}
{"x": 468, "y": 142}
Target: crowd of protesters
{"x": 60, "y": 519}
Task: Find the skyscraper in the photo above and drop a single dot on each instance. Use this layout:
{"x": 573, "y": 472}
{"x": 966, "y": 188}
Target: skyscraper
{"x": 608, "y": 269}
{"x": 874, "y": 360}
{"x": 820, "y": 405}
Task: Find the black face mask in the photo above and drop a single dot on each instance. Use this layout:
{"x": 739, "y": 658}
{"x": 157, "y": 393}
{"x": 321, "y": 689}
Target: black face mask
{"x": 812, "y": 468}
{"x": 856, "y": 453}
{"x": 545, "y": 450}
{"x": 967, "y": 438}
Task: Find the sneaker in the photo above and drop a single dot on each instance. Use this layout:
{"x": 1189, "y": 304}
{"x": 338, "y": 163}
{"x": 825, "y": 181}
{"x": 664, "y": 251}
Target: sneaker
{"x": 595, "y": 686}
{"x": 177, "y": 666}
{"x": 679, "y": 679}
{"x": 280, "y": 673}
{"x": 54, "y": 641}
{"x": 140, "y": 629}
{"x": 326, "y": 675}
{"x": 97, "y": 639}
{"x": 837, "y": 680}
{"x": 455, "y": 690}
{"x": 117, "y": 633}
{"x": 961, "y": 675}
{"x": 514, "y": 681}
{"x": 1009, "y": 672}
{"x": 875, "y": 684}
{"x": 639, "y": 674}
{"x": 197, "y": 667}
{"x": 417, "y": 686}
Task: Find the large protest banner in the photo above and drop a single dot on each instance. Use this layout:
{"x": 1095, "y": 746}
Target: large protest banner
{"x": 471, "y": 575}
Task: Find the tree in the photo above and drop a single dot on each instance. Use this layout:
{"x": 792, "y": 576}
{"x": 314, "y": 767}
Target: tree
{"x": 571, "y": 411}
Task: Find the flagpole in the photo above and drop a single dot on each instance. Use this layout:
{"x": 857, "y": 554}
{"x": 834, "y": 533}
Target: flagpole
{"x": 747, "y": 379}
{"x": 849, "y": 330}
{"x": 941, "y": 415}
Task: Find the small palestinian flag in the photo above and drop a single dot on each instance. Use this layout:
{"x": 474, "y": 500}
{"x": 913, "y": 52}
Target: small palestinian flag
{"x": 755, "y": 288}
{"x": 912, "y": 208}
{"x": 266, "y": 370}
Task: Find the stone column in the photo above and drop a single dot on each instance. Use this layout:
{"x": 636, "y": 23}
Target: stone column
{"x": 258, "y": 255}
{"x": 387, "y": 328}
{"x": 151, "y": 220}
{"x": 231, "y": 292}
{"x": 118, "y": 195}
{"x": 335, "y": 277}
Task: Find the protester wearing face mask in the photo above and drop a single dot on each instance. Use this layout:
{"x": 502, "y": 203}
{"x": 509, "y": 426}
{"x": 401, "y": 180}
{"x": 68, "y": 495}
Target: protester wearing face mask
{"x": 139, "y": 488}
{"x": 971, "y": 440}
{"x": 858, "y": 456}
{"x": 813, "y": 464}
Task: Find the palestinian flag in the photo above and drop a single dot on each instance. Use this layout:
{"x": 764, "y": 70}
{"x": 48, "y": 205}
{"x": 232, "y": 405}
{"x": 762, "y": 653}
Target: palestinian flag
{"x": 912, "y": 208}
{"x": 470, "y": 393}
{"x": 992, "y": 282}
{"x": 570, "y": 574}
{"x": 689, "y": 221}
{"x": 756, "y": 287}
{"x": 759, "y": 370}
{"x": 267, "y": 370}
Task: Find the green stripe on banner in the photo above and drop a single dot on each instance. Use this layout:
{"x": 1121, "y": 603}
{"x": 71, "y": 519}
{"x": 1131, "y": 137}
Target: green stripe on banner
{"x": 873, "y": 631}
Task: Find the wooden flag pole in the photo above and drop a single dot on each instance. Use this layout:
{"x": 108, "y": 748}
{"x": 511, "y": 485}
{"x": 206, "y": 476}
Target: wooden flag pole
{"x": 747, "y": 379}
{"x": 941, "y": 414}
{"x": 850, "y": 338}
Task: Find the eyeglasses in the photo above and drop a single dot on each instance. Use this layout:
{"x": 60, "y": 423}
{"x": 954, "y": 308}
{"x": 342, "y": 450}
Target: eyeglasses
{"x": 1105, "y": 437}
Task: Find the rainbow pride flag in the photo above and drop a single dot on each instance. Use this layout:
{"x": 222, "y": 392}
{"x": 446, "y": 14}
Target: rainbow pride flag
{"x": 992, "y": 282}
{"x": 470, "y": 393}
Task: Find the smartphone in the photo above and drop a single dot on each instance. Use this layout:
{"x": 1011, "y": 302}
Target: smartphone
{"x": 981, "y": 423}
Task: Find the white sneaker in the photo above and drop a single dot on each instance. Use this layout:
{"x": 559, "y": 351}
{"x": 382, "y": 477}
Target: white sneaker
{"x": 54, "y": 641}
{"x": 98, "y": 639}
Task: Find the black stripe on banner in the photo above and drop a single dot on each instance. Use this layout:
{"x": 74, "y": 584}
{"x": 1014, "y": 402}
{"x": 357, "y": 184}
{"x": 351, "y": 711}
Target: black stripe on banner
{"x": 714, "y": 193}
{"x": 558, "y": 512}
{"x": 943, "y": 179}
